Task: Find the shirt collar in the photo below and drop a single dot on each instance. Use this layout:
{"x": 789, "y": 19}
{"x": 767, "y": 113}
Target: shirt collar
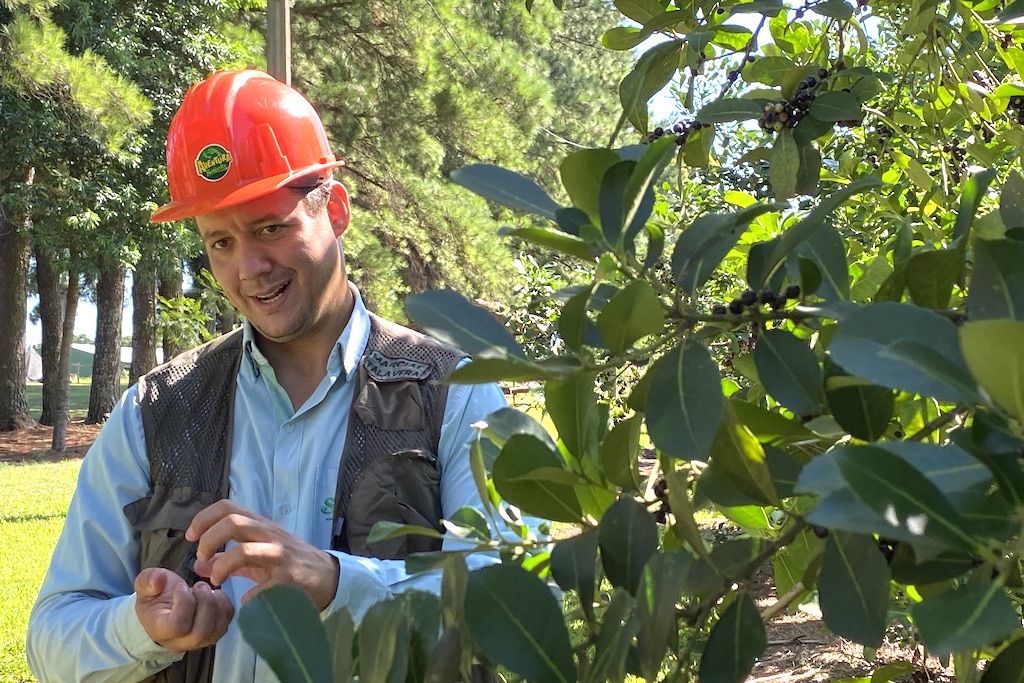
{"x": 347, "y": 351}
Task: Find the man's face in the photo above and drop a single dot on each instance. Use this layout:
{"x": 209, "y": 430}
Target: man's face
{"x": 281, "y": 267}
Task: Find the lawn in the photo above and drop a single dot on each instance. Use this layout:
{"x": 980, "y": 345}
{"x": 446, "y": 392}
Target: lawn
{"x": 78, "y": 399}
{"x": 33, "y": 504}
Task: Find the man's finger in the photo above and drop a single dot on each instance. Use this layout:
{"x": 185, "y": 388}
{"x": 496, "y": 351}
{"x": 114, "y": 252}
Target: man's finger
{"x": 247, "y": 560}
{"x": 212, "y": 514}
{"x": 212, "y": 615}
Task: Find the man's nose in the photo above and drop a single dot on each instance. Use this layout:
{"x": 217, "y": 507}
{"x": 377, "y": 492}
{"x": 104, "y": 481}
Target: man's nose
{"x": 254, "y": 262}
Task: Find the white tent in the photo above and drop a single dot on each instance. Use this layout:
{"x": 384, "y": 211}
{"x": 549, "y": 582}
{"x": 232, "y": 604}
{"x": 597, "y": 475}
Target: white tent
{"x": 33, "y": 365}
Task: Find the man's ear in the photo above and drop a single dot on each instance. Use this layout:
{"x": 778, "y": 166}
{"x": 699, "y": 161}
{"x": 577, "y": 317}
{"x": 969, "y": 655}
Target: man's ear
{"x": 338, "y": 209}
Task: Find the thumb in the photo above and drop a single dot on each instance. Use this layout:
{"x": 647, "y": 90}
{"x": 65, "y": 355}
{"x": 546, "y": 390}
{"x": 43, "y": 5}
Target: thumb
{"x": 151, "y": 582}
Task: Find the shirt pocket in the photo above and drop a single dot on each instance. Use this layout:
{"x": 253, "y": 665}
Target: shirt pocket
{"x": 404, "y": 488}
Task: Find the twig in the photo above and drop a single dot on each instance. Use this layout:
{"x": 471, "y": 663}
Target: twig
{"x": 782, "y": 603}
{"x": 940, "y": 421}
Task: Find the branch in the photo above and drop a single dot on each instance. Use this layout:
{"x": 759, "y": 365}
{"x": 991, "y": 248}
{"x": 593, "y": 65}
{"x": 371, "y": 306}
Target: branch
{"x": 937, "y": 423}
{"x": 692, "y": 613}
{"x": 785, "y": 601}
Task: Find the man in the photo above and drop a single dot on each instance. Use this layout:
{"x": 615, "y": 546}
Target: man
{"x": 266, "y": 456}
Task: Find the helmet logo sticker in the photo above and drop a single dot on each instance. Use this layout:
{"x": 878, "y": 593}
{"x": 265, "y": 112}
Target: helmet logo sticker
{"x": 213, "y": 162}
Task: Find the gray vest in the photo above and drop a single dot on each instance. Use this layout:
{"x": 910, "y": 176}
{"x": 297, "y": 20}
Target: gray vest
{"x": 388, "y": 468}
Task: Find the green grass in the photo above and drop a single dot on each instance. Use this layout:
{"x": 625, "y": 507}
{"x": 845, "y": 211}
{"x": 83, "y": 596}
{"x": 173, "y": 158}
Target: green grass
{"x": 33, "y": 504}
{"x": 78, "y": 398}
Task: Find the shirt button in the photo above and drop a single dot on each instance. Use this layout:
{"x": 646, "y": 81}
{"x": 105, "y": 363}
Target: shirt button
{"x": 289, "y": 426}
{"x": 285, "y": 509}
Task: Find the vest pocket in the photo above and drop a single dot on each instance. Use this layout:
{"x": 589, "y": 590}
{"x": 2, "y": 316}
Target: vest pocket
{"x": 404, "y": 488}
{"x": 161, "y": 521}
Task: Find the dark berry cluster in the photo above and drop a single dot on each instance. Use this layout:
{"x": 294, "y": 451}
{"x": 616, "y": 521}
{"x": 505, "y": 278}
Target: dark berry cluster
{"x": 751, "y": 299}
{"x": 983, "y": 79}
{"x": 957, "y": 159}
{"x": 680, "y": 128}
{"x": 1006, "y": 40}
{"x": 788, "y": 113}
{"x": 862, "y": 5}
{"x": 1016, "y": 108}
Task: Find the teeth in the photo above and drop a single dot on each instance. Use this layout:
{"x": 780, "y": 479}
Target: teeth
{"x": 273, "y": 296}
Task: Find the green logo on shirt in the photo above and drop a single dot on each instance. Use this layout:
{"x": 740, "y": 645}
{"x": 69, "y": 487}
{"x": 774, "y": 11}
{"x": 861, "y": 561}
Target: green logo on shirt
{"x": 328, "y": 506}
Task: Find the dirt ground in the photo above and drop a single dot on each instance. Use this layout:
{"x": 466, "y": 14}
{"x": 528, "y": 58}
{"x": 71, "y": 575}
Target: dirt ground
{"x": 34, "y": 443}
{"x": 800, "y": 649}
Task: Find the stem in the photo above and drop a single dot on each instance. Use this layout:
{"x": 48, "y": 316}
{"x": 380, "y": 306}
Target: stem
{"x": 694, "y": 613}
{"x": 937, "y": 423}
{"x": 785, "y": 601}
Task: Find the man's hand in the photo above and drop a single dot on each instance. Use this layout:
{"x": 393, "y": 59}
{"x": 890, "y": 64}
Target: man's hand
{"x": 264, "y": 553}
{"x": 178, "y": 617}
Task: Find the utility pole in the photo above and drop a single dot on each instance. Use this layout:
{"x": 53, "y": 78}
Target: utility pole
{"x": 279, "y": 41}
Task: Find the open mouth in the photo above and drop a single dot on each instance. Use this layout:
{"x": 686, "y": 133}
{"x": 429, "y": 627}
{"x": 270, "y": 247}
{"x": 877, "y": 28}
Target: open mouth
{"x": 273, "y": 296}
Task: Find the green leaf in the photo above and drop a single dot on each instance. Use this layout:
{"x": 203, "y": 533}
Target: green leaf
{"x": 632, "y": 314}
{"x": 652, "y": 72}
{"x": 965, "y": 618}
{"x": 618, "y": 627}
{"x": 810, "y": 166}
{"x": 572, "y": 405}
{"x": 574, "y": 567}
{"x": 485, "y": 370}
{"x": 517, "y": 623}
{"x": 837, "y": 9}
{"x": 917, "y": 173}
{"x": 628, "y": 537}
{"x": 863, "y": 409}
{"x": 932, "y": 274}
{"x": 997, "y": 287}
{"x": 581, "y": 174}
{"x": 770, "y": 427}
{"x": 469, "y": 522}
{"x": 611, "y": 200}
{"x": 507, "y": 188}
{"x": 736, "y": 641}
{"x": 789, "y": 371}
{"x": 622, "y": 38}
{"x": 854, "y": 588}
{"x": 806, "y": 227}
{"x": 685, "y": 402}
{"x": 340, "y": 631}
{"x": 827, "y": 249}
{"x": 905, "y": 498}
{"x": 835, "y": 105}
{"x": 450, "y": 317}
{"x": 739, "y": 455}
{"x": 1011, "y": 201}
{"x": 1008, "y": 666}
{"x": 522, "y": 454}
{"x": 639, "y": 200}
{"x": 283, "y": 626}
{"x": 790, "y": 564}
{"x": 784, "y": 165}
{"x": 703, "y": 245}
{"x": 769, "y": 8}
{"x": 660, "y": 588}
{"x": 556, "y": 241}
{"x": 970, "y": 200}
{"x": 730, "y": 109}
{"x": 640, "y": 11}
{"x": 384, "y": 530}
{"x": 892, "y": 670}
{"x": 768, "y": 70}
{"x": 384, "y": 644}
{"x": 904, "y": 347}
{"x": 994, "y": 351}
{"x": 619, "y": 454}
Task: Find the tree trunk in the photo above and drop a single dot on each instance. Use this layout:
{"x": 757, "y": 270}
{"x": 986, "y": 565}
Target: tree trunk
{"x": 14, "y": 249}
{"x": 106, "y": 364}
{"x": 143, "y": 322}
{"x": 170, "y": 288}
{"x": 51, "y": 316}
{"x": 60, "y": 405}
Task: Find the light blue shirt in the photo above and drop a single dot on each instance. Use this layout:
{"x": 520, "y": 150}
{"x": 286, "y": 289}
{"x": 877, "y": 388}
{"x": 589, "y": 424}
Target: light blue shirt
{"x": 284, "y": 466}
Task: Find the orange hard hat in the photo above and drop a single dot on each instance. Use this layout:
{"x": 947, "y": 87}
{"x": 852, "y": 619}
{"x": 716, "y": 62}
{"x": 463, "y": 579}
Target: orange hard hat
{"x": 240, "y": 135}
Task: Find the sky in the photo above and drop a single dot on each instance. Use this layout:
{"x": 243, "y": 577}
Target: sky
{"x": 85, "y": 320}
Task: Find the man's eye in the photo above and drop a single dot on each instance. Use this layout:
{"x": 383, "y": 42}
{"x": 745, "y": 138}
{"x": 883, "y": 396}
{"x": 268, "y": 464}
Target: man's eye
{"x": 219, "y": 244}
{"x": 271, "y": 229}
